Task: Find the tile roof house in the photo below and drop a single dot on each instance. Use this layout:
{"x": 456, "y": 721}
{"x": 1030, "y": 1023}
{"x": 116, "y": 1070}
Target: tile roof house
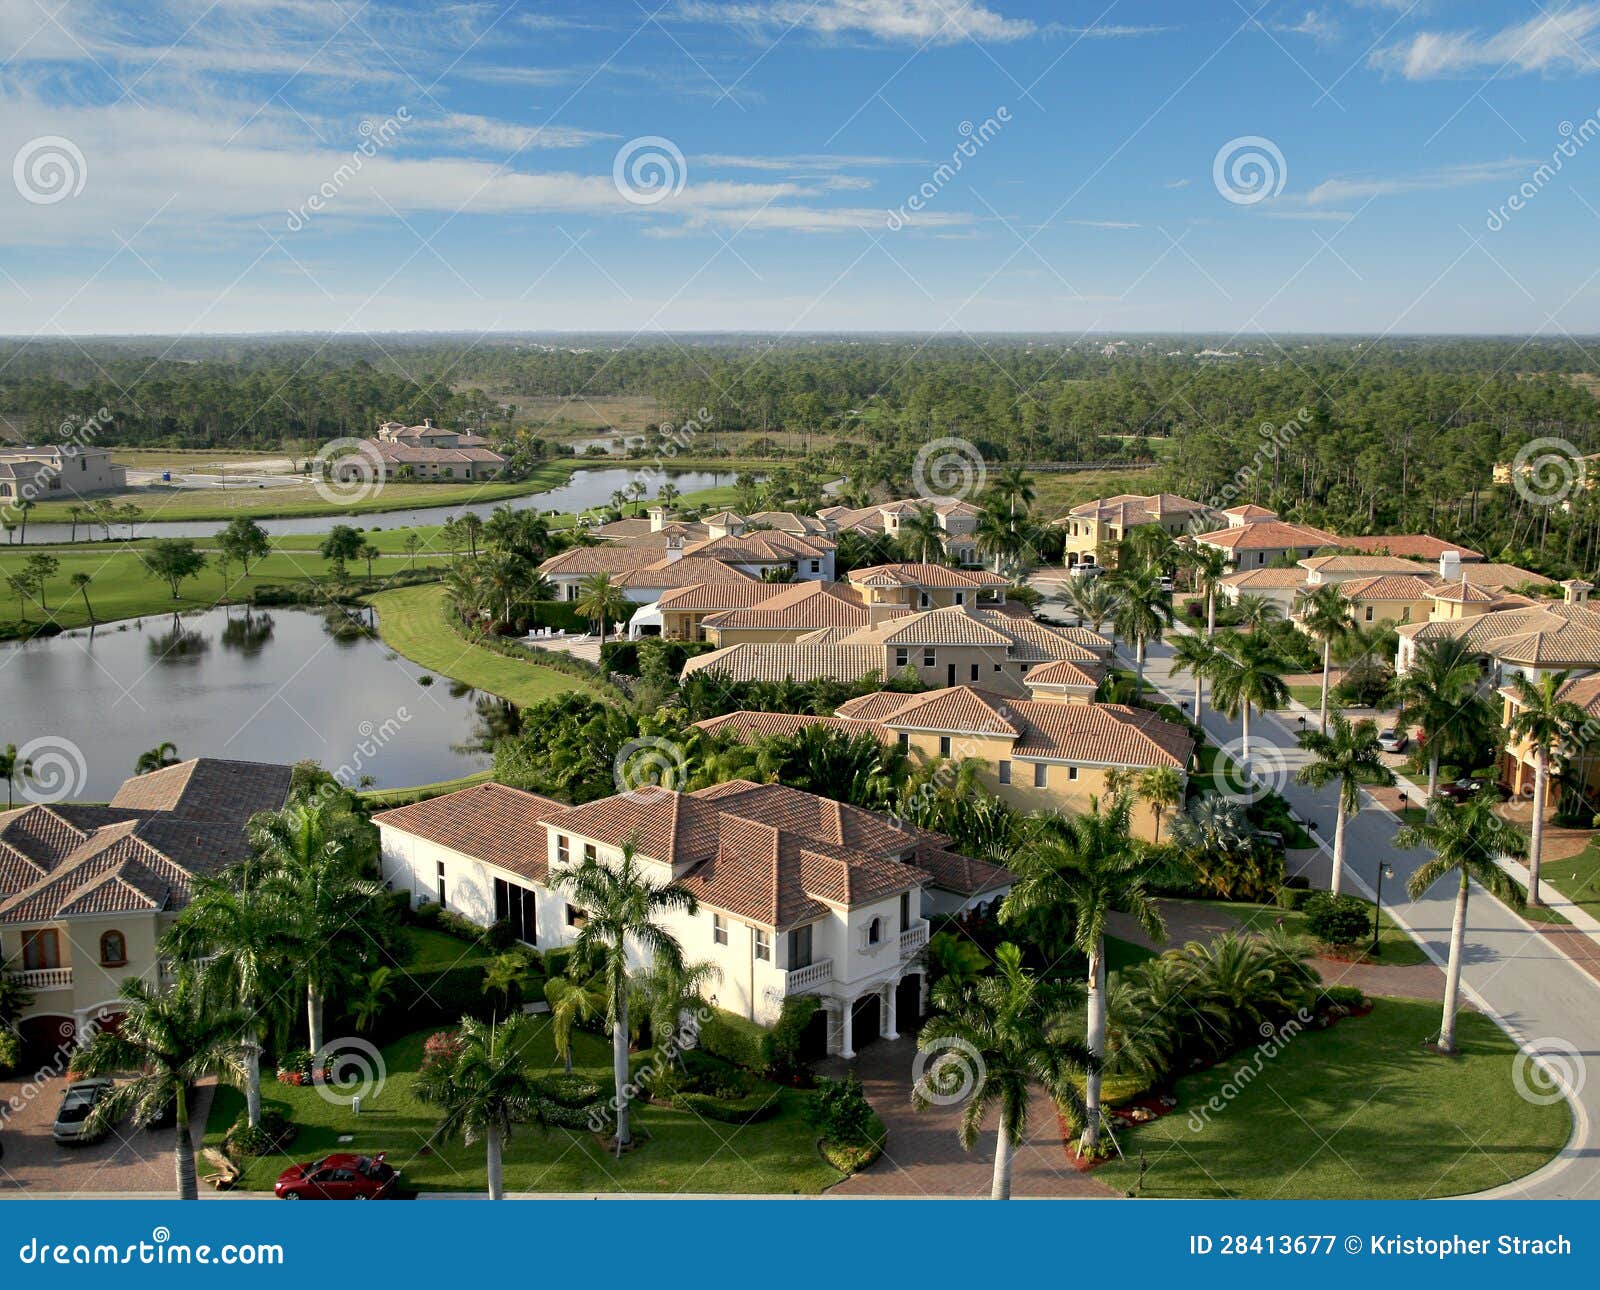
{"x": 86, "y": 891}
{"x": 422, "y": 452}
{"x": 797, "y": 894}
{"x": 1515, "y": 635}
{"x": 958, "y": 519}
{"x": 1093, "y": 529}
{"x": 1255, "y": 545}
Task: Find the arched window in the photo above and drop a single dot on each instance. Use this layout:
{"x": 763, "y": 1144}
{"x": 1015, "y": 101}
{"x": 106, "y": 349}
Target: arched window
{"x": 113, "y": 949}
{"x": 875, "y": 931}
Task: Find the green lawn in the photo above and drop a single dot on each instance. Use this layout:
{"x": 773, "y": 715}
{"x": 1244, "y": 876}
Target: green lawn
{"x": 1577, "y": 877}
{"x": 1398, "y": 949}
{"x": 1309, "y": 695}
{"x": 379, "y": 799}
{"x": 683, "y": 1153}
{"x": 1359, "y": 1111}
{"x": 411, "y": 621}
{"x": 430, "y": 950}
{"x": 1125, "y": 954}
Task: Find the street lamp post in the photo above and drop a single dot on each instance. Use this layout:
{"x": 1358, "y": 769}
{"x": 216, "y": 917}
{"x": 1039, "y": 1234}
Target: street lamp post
{"x": 1384, "y": 871}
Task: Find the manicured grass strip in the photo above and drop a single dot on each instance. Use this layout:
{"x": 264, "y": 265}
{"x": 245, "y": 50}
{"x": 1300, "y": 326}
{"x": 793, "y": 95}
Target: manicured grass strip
{"x": 1359, "y": 1111}
{"x": 1577, "y": 877}
{"x": 1125, "y": 954}
{"x": 379, "y": 799}
{"x": 411, "y": 621}
{"x": 429, "y": 950}
{"x": 1309, "y": 695}
{"x": 684, "y": 1153}
{"x": 1396, "y": 947}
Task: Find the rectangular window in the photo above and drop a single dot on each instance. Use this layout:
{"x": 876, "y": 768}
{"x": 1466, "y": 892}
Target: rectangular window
{"x": 517, "y": 907}
{"x": 41, "y": 949}
{"x": 719, "y": 929}
{"x": 439, "y": 881}
{"x": 1369, "y": 613}
{"x": 563, "y": 852}
{"x": 576, "y": 917}
{"x": 589, "y": 853}
{"x": 905, "y": 911}
{"x": 929, "y": 658}
{"x": 800, "y": 947}
{"x": 902, "y": 657}
{"x": 961, "y": 597}
{"x": 974, "y": 671}
{"x": 1072, "y": 772}
{"x": 1005, "y": 771}
{"x": 905, "y": 742}
{"x": 924, "y": 600}
{"x": 763, "y": 944}
{"x": 944, "y": 745}
{"x": 1039, "y": 772}
{"x": 816, "y": 566}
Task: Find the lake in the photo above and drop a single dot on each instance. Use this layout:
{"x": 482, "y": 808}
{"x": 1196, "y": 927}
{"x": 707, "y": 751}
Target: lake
{"x": 585, "y": 489}
{"x": 275, "y": 685}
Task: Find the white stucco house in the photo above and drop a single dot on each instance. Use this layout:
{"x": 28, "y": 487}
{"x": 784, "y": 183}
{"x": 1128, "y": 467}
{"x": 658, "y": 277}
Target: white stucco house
{"x": 797, "y": 894}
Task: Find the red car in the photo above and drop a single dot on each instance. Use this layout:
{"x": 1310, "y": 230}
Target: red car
{"x": 339, "y": 1177}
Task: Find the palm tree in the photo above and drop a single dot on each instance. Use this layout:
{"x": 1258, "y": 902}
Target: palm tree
{"x": 471, "y": 527}
{"x": 1544, "y": 721}
{"x": 1003, "y": 1034}
{"x": 1248, "y": 677}
{"x": 1442, "y": 678}
{"x": 1467, "y": 839}
{"x": 15, "y": 771}
{"x": 668, "y": 991}
{"x": 75, "y": 514}
{"x": 169, "y": 1040}
{"x": 23, "y": 507}
{"x": 996, "y": 537}
{"x": 238, "y": 939}
{"x": 1208, "y": 566}
{"x": 667, "y": 494}
{"x": 1143, "y": 611}
{"x": 1162, "y": 788}
{"x": 1076, "y": 875}
{"x": 1348, "y": 755}
{"x": 570, "y": 1003}
{"x": 1199, "y": 657}
{"x": 80, "y": 582}
{"x": 313, "y": 856}
{"x": 483, "y": 1089}
{"x": 922, "y": 534}
{"x": 1327, "y": 616}
{"x": 369, "y": 553}
{"x": 1096, "y": 601}
{"x": 620, "y": 905}
{"x": 601, "y": 600}
{"x": 1255, "y": 612}
{"x": 1011, "y": 488}
{"x": 158, "y": 758}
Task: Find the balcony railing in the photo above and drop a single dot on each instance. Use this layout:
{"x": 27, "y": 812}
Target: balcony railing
{"x": 913, "y": 938}
{"x": 58, "y": 978}
{"x": 801, "y": 980}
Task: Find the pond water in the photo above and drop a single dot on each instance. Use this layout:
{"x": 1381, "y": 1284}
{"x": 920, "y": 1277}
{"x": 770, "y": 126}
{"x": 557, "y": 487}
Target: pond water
{"x": 279, "y": 685}
{"x": 585, "y": 489}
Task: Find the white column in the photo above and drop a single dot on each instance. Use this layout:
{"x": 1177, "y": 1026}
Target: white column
{"x": 845, "y": 1023}
{"x": 887, "y": 1027}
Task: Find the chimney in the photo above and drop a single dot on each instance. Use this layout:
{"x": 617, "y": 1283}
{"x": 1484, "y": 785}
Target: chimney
{"x": 658, "y": 518}
{"x": 1575, "y": 591}
{"x": 1450, "y": 566}
{"x": 674, "y": 548}
{"x": 427, "y": 423}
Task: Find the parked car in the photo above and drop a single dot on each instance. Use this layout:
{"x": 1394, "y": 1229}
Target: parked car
{"x": 1088, "y": 569}
{"x": 164, "y": 1116}
{"x": 77, "y": 1103}
{"x": 1166, "y": 583}
{"x": 1393, "y": 741}
{"x": 1460, "y": 789}
{"x": 339, "y": 1177}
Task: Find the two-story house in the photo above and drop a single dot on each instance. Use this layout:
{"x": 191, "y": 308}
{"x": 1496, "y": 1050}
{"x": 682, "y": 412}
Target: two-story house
{"x": 797, "y": 894}
{"x": 1093, "y": 529}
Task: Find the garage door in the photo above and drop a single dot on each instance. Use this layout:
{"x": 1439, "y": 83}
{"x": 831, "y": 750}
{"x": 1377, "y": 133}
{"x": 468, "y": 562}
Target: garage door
{"x": 44, "y": 1039}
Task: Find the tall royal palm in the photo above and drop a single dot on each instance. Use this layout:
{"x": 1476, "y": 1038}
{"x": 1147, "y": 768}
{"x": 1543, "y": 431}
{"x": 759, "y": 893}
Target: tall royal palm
{"x": 1143, "y": 612}
{"x": 1327, "y": 616}
{"x": 1199, "y": 657}
{"x": 1208, "y": 566}
{"x": 483, "y": 1089}
{"x": 620, "y": 904}
{"x": 1441, "y": 680}
{"x": 1346, "y": 755}
{"x": 1248, "y": 678}
{"x": 1544, "y": 722}
{"x": 168, "y": 1040}
{"x": 997, "y": 537}
{"x": 1467, "y": 839}
{"x": 1011, "y": 490}
{"x": 922, "y": 534}
{"x": 1001, "y": 1034}
{"x": 237, "y": 938}
{"x": 601, "y": 600}
{"x": 1076, "y": 874}
{"x": 313, "y": 858}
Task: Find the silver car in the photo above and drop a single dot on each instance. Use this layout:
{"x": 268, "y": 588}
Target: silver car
{"x": 77, "y": 1103}
{"x": 1393, "y": 741}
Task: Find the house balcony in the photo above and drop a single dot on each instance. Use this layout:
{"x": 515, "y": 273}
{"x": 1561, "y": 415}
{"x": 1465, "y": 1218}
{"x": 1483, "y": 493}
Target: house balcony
{"x": 806, "y": 979}
{"x": 57, "y": 978}
{"x": 913, "y": 938}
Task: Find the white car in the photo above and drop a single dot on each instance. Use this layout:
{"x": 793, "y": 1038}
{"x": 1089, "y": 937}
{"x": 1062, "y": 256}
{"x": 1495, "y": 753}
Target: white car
{"x": 1084, "y": 571}
{"x": 1393, "y": 741}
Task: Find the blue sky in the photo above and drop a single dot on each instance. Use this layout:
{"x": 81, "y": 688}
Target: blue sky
{"x": 258, "y": 165}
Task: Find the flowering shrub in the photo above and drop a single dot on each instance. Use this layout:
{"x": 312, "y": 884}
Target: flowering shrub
{"x": 442, "y": 1046}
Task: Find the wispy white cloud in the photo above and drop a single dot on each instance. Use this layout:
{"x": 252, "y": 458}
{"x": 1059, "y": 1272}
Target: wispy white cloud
{"x": 466, "y": 129}
{"x": 1177, "y": 183}
{"x": 1315, "y": 24}
{"x": 938, "y": 22}
{"x": 1462, "y": 176}
{"x": 1551, "y": 43}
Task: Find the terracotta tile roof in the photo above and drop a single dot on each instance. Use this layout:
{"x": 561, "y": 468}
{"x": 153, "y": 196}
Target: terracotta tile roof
{"x": 1492, "y": 575}
{"x": 920, "y": 575}
{"x": 1583, "y": 691}
{"x": 208, "y": 788}
{"x": 1371, "y": 565}
{"x": 1554, "y": 634}
{"x": 1100, "y": 733}
{"x": 1250, "y": 511}
{"x": 1460, "y": 593}
{"x": 489, "y": 822}
{"x": 790, "y": 522}
{"x": 747, "y": 724}
{"x": 685, "y": 572}
{"x": 934, "y": 627}
{"x": 1063, "y": 672}
{"x": 612, "y": 558}
{"x": 1269, "y": 535}
{"x": 958, "y": 710}
{"x": 798, "y": 606}
{"x": 1389, "y": 587}
{"x": 791, "y": 661}
{"x": 762, "y": 545}
{"x": 733, "y": 595}
{"x": 963, "y": 874}
{"x": 874, "y": 706}
{"x": 1421, "y": 546}
{"x": 1251, "y": 579}
{"x": 1129, "y": 509}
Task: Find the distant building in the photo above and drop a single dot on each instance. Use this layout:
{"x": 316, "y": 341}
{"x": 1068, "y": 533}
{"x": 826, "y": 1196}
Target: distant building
{"x": 423, "y": 452}
{"x": 53, "y": 471}
{"x": 1093, "y": 529}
